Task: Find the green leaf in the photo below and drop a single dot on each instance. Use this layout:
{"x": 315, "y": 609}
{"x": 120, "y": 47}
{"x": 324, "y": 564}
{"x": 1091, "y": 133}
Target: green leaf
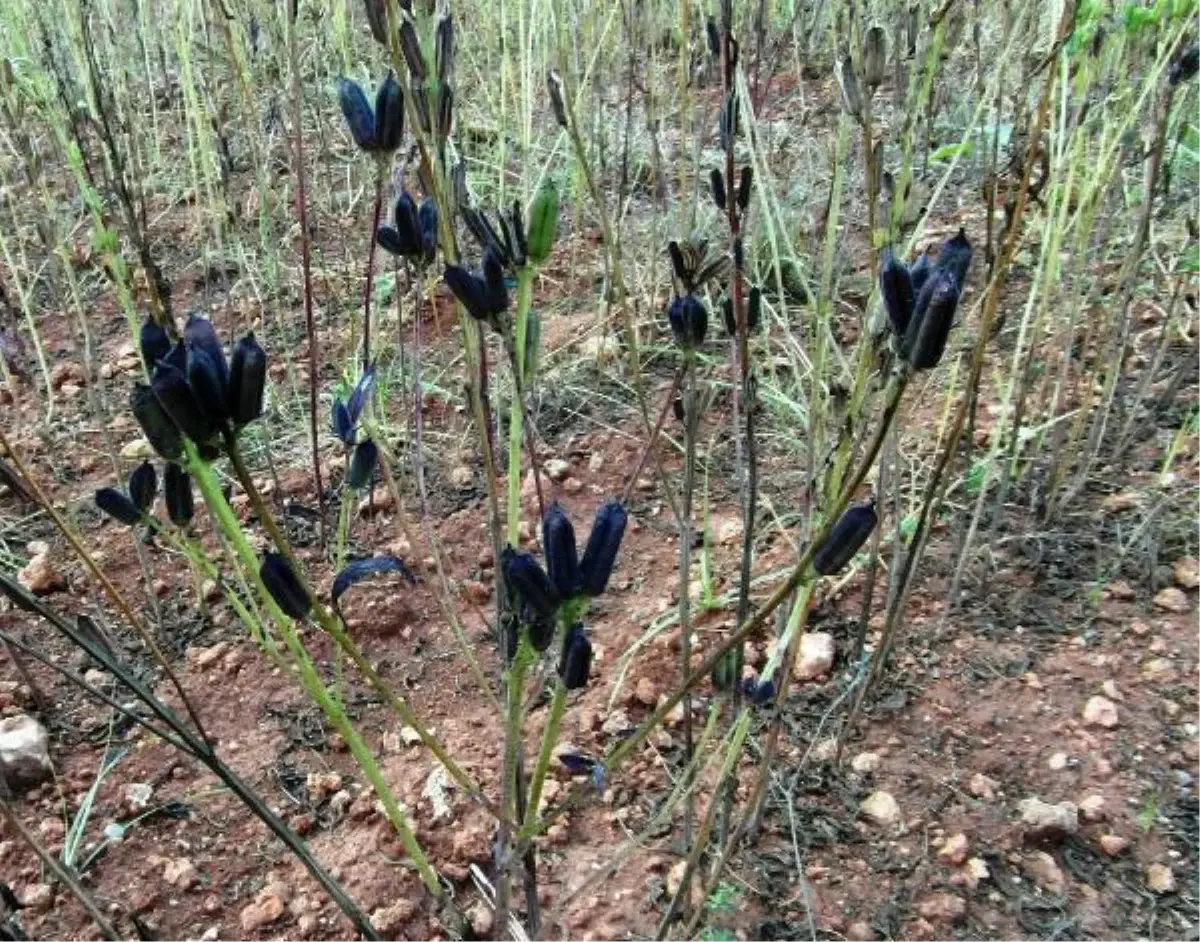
{"x": 951, "y": 151}
{"x": 385, "y": 288}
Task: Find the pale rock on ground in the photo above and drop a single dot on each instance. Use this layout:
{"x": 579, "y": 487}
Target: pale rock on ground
{"x": 1172, "y": 599}
{"x": 815, "y": 656}
{"x": 24, "y": 751}
{"x": 1102, "y": 712}
{"x": 1044, "y": 821}
{"x": 880, "y": 808}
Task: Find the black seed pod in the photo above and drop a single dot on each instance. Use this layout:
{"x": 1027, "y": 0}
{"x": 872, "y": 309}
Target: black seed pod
{"x": 143, "y": 486}
{"x": 745, "y": 182}
{"x": 554, "y": 85}
{"x": 717, "y": 181}
{"x": 933, "y": 316}
{"x": 678, "y": 264}
{"x": 283, "y": 586}
{"x": 470, "y": 290}
{"x": 955, "y": 257}
{"x": 377, "y": 19}
{"x": 528, "y": 582}
{"x": 247, "y": 380}
{"x": 357, "y": 112}
{"x": 427, "y": 217}
{"x": 600, "y": 554}
{"x": 210, "y": 389}
{"x": 758, "y": 692}
{"x": 443, "y": 48}
{"x": 689, "y": 321}
{"x": 154, "y": 342}
{"x": 117, "y": 505}
{"x": 362, "y": 464}
{"x": 389, "y": 115}
{"x": 520, "y": 240}
{"x": 895, "y": 285}
{"x": 919, "y": 274}
{"x": 562, "y": 557}
{"x": 199, "y": 334}
{"x": 403, "y": 237}
{"x": 445, "y": 111}
{"x": 493, "y": 279}
{"x": 157, "y": 426}
{"x": 410, "y": 46}
{"x": 541, "y": 630}
{"x": 714, "y": 38}
{"x": 177, "y": 489}
{"x": 753, "y": 312}
{"x": 846, "y": 539}
{"x": 178, "y": 400}
{"x": 1186, "y": 66}
{"x": 576, "y": 662}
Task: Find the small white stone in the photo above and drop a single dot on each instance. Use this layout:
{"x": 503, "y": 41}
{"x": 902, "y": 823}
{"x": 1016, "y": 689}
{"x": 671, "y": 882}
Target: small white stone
{"x": 815, "y": 656}
{"x": 1100, "y": 711}
{"x": 880, "y": 808}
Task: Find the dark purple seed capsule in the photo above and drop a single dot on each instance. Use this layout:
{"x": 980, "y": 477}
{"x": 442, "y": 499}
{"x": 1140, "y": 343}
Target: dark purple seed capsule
{"x": 470, "y": 290}
{"x": 517, "y": 234}
{"x": 576, "y": 662}
{"x": 143, "y": 486}
{"x": 410, "y": 46}
{"x": 357, "y": 112}
{"x": 955, "y": 257}
{"x": 745, "y": 182}
{"x": 362, "y": 464}
{"x": 541, "y": 630}
{"x": 443, "y": 47}
{"x": 554, "y": 85}
{"x": 758, "y": 692}
{"x": 177, "y": 489}
{"x": 493, "y": 278}
{"x": 199, "y": 333}
{"x": 211, "y": 392}
{"x": 847, "y": 538}
{"x": 427, "y": 218}
{"x": 1185, "y": 67}
{"x": 604, "y": 542}
{"x": 896, "y": 288}
{"x": 528, "y": 582}
{"x": 445, "y": 111}
{"x": 155, "y": 343}
{"x": 377, "y": 20}
{"x": 389, "y": 114}
{"x": 157, "y": 426}
{"x": 403, "y": 237}
{"x": 247, "y": 380}
{"x": 717, "y": 181}
{"x": 179, "y": 401}
{"x": 281, "y": 582}
{"x": 682, "y": 272}
{"x": 361, "y": 393}
{"x": 919, "y": 274}
{"x": 562, "y": 557}
{"x": 117, "y": 505}
{"x": 933, "y": 316}
{"x": 689, "y": 321}
{"x": 342, "y": 424}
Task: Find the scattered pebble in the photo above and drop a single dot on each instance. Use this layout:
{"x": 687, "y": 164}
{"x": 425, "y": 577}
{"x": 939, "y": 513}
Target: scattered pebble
{"x": 1045, "y": 872}
{"x": 955, "y": 849}
{"x": 1186, "y": 572}
{"x": 1113, "y": 844}
{"x": 1172, "y": 599}
{"x": 814, "y": 657}
{"x": 41, "y": 577}
{"x": 1046, "y": 822}
{"x": 865, "y": 762}
{"x": 1100, "y": 711}
{"x": 1091, "y": 809}
{"x": 943, "y": 908}
{"x": 880, "y": 808}
{"x": 1160, "y": 878}
{"x": 24, "y": 751}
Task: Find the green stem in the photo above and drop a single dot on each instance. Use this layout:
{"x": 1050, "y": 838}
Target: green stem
{"x": 558, "y": 707}
{"x": 516, "y": 411}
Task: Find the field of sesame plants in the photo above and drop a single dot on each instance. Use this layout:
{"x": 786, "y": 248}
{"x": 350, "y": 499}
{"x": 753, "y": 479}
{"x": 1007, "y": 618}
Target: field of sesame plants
{"x": 677, "y": 469}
